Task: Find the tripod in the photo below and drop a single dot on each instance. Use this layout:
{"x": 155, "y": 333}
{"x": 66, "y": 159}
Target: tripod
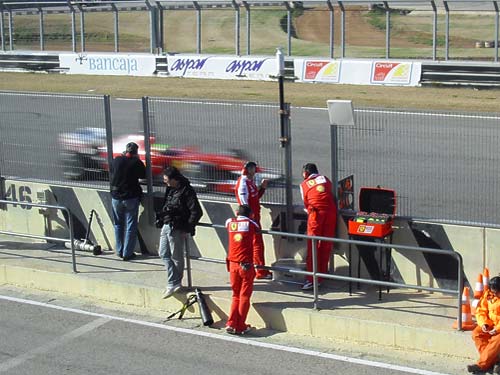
{"x": 189, "y": 302}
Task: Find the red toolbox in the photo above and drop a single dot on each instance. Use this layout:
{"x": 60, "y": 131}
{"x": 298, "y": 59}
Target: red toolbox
{"x": 377, "y": 209}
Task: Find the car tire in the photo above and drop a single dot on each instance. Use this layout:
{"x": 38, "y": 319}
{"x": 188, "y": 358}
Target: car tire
{"x": 73, "y": 166}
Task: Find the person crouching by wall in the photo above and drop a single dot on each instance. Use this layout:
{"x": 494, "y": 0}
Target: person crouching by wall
{"x": 178, "y": 218}
{"x": 126, "y": 193}
{"x": 241, "y": 231}
{"x": 486, "y": 334}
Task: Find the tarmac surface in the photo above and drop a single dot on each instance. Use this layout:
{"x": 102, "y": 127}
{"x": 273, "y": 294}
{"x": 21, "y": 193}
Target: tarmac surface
{"x": 403, "y": 319}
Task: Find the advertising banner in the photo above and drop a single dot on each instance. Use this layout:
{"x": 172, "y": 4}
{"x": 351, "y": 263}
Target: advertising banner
{"x": 359, "y": 71}
{"x": 385, "y": 72}
{"x": 222, "y": 67}
{"x": 322, "y": 70}
{"x": 108, "y": 64}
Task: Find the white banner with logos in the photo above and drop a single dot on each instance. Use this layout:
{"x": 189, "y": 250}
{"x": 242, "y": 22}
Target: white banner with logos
{"x": 109, "y": 64}
{"x": 359, "y": 72}
{"x": 222, "y": 67}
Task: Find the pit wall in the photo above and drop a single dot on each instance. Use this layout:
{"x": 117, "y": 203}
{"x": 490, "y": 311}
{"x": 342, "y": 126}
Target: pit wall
{"x": 477, "y": 245}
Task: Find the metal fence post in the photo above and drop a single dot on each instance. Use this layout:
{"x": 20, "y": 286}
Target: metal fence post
{"x": 73, "y": 27}
{"x": 82, "y": 27}
{"x": 342, "y": 29}
{"x": 288, "y": 28}
{"x": 188, "y": 262}
{"x": 42, "y": 31}
{"x": 11, "y": 29}
{"x": 332, "y": 29}
{"x": 334, "y": 150}
{"x": 447, "y": 34}
{"x": 315, "y": 271}
{"x": 237, "y": 27}
{"x": 434, "y": 30}
{"x": 248, "y": 19}
{"x": 495, "y": 4}
{"x": 147, "y": 146}
{"x": 109, "y": 134}
{"x": 2, "y": 31}
{"x": 387, "y": 30}
{"x": 198, "y": 26}
{"x": 116, "y": 27}
{"x": 161, "y": 27}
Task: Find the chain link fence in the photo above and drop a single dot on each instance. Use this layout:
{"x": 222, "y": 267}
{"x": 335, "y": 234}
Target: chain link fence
{"x": 442, "y": 165}
{"x": 53, "y": 137}
{"x": 210, "y": 142}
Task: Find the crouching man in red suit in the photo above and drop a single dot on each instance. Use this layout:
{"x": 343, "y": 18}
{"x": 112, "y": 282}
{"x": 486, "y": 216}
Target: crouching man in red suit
{"x": 241, "y": 231}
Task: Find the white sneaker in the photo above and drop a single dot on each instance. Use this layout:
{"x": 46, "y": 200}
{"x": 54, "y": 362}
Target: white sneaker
{"x": 170, "y": 291}
{"x": 308, "y": 285}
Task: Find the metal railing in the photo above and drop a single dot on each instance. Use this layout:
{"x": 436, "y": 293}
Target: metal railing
{"x": 315, "y": 274}
{"x": 48, "y": 238}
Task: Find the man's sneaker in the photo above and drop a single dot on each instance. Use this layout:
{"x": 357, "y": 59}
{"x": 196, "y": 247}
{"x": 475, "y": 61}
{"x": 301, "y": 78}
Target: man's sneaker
{"x": 231, "y": 330}
{"x": 308, "y": 285}
{"x": 474, "y": 369}
{"x": 129, "y": 257}
{"x": 170, "y": 291}
{"x": 246, "y": 330}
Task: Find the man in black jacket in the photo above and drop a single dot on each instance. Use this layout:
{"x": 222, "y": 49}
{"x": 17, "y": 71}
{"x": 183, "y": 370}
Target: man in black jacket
{"x": 180, "y": 213}
{"x": 126, "y": 170}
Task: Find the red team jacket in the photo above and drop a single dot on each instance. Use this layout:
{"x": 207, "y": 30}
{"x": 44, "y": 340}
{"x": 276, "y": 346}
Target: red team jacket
{"x": 241, "y": 231}
{"x": 316, "y": 193}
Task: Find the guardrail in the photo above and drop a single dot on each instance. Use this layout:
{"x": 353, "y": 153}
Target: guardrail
{"x": 45, "y": 206}
{"x": 315, "y": 274}
{"x": 440, "y": 73}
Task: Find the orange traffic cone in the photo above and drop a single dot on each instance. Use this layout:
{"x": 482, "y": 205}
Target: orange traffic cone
{"x": 478, "y": 293}
{"x": 467, "y": 323}
{"x": 486, "y": 279}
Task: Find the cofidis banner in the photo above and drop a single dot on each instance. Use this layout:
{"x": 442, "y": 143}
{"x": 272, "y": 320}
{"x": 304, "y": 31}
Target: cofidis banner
{"x": 222, "y": 67}
{"x": 109, "y": 64}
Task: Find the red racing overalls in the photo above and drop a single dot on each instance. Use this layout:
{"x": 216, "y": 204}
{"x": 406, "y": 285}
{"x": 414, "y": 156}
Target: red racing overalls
{"x": 316, "y": 191}
{"x": 241, "y": 231}
{"x": 247, "y": 193}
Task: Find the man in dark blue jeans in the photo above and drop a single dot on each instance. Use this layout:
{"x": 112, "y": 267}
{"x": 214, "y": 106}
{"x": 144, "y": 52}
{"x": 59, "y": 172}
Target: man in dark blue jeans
{"x": 126, "y": 192}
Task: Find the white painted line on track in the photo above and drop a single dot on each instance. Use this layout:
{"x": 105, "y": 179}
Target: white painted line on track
{"x": 228, "y": 338}
{"x": 20, "y": 359}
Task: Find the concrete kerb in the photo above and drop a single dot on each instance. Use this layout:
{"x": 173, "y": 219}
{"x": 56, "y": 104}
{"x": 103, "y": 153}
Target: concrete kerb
{"x": 300, "y": 321}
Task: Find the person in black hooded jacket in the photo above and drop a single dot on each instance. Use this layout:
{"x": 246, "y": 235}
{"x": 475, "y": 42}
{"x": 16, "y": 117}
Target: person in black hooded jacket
{"x": 177, "y": 219}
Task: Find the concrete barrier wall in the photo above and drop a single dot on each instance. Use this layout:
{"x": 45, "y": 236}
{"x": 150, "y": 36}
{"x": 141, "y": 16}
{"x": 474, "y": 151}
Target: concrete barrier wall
{"x": 476, "y": 245}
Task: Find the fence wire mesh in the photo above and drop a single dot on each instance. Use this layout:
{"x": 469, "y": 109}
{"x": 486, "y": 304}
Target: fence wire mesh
{"x": 442, "y": 165}
{"x": 52, "y": 137}
{"x": 210, "y": 141}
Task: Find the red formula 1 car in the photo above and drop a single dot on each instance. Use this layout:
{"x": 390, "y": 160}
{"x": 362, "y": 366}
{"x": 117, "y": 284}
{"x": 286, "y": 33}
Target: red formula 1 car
{"x": 208, "y": 172}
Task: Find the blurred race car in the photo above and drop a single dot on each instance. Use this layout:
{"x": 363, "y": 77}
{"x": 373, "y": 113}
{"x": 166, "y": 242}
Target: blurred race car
{"x": 208, "y": 172}
{"x": 80, "y": 155}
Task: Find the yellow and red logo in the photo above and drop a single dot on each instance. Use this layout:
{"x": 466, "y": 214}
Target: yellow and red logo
{"x": 237, "y": 237}
{"x": 311, "y": 182}
{"x": 320, "y": 188}
{"x": 361, "y": 228}
{"x": 234, "y": 227}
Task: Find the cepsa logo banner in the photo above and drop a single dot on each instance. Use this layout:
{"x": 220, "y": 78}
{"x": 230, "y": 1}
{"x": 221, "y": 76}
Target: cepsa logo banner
{"x": 215, "y": 67}
{"x": 321, "y": 71}
{"x": 391, "y": 72}
{"x": 109, "y": 64}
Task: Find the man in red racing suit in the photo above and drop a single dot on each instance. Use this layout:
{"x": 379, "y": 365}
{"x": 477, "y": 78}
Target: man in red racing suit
{"x": 241, "y": 231}
{"x": 247, "y": 193}
{"x": 319, "y": 203}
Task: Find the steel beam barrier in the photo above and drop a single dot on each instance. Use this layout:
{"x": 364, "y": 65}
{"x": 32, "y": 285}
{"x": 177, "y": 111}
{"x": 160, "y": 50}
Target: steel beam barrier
{"x": 332, "y": 28}
{"x": 447, "y": 31}
{"x": 434, "y": 30}
{"x": 237, "y": 27}
{"x": 495, "y": 4}
{"x": 58, "y": 239}
{"x": 116, "y": 27}
{"x": 248, "y": 19}
{"x": 11, "y": 30}
{"x": 2, "y": 30}
{"x": 387, "y": 30}
{"x": 342, "y": 29}
{"x": 198, "y": 26}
